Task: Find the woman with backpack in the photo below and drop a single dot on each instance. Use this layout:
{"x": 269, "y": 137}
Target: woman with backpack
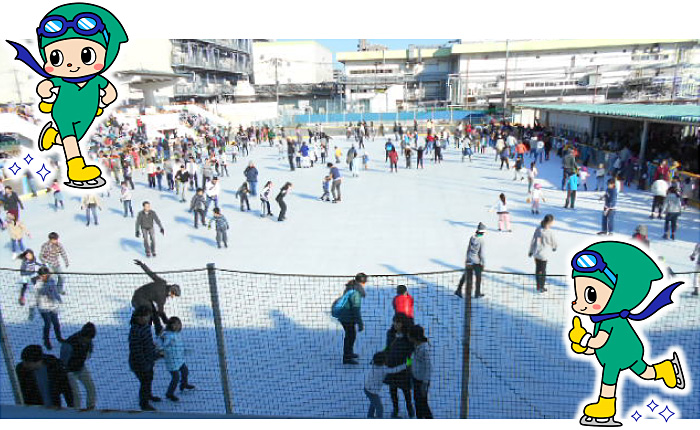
{"x": 347, "y": 309}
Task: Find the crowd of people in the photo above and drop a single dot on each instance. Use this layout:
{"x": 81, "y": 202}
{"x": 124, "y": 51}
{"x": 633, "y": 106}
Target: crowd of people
{"x": 193, "y": 164}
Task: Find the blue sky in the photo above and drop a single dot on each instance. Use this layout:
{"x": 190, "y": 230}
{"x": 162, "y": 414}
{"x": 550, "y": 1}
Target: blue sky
{"x": 343, "y": 45}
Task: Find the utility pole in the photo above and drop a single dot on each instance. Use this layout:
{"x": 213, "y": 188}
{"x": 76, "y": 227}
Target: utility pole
{"x": 595, "y": 86}
{"x": 277, "y": 82}
{"x": 675, "y": 74}
{"x": 505, "y": 84}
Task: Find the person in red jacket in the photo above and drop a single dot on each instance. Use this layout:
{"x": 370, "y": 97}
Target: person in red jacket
{"x": 403, "y": 302}
{"x": 394, "y": 160}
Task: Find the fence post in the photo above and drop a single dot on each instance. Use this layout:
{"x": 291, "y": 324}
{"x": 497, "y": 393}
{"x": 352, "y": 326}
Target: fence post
{"x": 9, "y": 362}
{"x": 220, "y": 341}
{"x": 466, "y": 339}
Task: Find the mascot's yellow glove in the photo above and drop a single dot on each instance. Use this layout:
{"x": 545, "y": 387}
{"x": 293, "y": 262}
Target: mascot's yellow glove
{"x": 577, "y": 333}
{"x": 578, "y": 349}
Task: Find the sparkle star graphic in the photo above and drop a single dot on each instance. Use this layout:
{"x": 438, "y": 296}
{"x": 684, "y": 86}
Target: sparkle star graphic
{"x": 652, "y": 406}
{"x": 14, "y": 169}
{"x": 668, "y": 414}
{"x": 43, "y": 172}
{"x": 28, "y": 159}
{"x": 636, "y": 416}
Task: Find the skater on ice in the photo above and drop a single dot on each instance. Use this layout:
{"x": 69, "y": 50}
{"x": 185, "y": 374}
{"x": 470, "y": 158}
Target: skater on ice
{"x": 153, "y": 296}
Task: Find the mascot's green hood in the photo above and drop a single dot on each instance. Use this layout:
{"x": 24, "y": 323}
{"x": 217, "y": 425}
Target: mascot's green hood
{"x": 115, "y": 33}
{"x": 635, "y": 272}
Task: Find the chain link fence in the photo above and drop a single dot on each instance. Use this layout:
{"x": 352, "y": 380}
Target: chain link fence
{"x": 264, "y": 344}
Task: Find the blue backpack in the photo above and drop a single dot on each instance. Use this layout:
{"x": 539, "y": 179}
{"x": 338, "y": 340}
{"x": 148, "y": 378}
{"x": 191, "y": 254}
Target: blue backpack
{"x": 341, "y": 303}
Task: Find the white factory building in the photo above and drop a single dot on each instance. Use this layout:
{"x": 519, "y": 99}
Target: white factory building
{"x": 291, "y": 62}
{"x": 476, "y": 73}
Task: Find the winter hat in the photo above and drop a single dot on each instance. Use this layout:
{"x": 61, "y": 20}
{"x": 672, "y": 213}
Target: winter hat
{"x": 634, "y": 270}
{"x": 111, "y": 37}
{"x": 481, "y": 228}
{"x": 175, "y": 289}
{"x": 538, "y": 186}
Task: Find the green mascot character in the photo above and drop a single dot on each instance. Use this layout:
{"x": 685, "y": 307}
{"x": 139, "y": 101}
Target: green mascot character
{"x": 78, "y": 42}
{"x": 611, "y": 279}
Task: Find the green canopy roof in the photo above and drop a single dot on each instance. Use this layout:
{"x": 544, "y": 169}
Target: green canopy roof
{"x": 680, "y": 113}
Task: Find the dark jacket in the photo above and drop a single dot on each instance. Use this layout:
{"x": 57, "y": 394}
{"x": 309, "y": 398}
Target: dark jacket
{"x": 145, "y": 220}
{"x": 12, "y": 202}
{"x": 142, "y": 351}
{"x": 611, "y": 198}
{"x": 154, "y": 292}
{"x": 352, "y": 312}
{"x": 569, "y": 162}
{"x": 182, "y": 176}
{"x": 74, "y": 353}
{"x": 398, "y": 351}
{"x": 198, "y": 202}
{"x": 57, "y": 380}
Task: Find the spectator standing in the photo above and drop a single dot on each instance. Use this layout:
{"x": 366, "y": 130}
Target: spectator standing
{"x": 421, "y": 368}
{"x": 142, "y": 355}
{"x": 403, "y": 302}
{"x": 75, "y": 351}
{"x": 43, "y": 379}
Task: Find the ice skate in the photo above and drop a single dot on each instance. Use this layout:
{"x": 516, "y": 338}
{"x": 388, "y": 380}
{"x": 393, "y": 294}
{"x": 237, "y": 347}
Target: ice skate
{"x": 601, "y": 414}
{"x": 671, "y": 372}
{"x": 83, "y": 177}
{"x": 47, "y": 138}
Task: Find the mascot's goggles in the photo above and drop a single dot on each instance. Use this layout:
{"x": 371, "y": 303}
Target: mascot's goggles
{"x": 85, "y": 24}
{"x": 591, "y": 261}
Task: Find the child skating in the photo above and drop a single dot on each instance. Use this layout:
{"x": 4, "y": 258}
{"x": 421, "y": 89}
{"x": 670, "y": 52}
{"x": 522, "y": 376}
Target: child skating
{"x": 326, "y": 197}
{"x": 221, "y": 226}
{"x": 501, "y": 209}
{"x": 537, "y": 197}
{"x": 265, "y": 200}
{"x": 374, "y": 382}
{"x": 242, "y": 195}
{"x": 174, "y": 349}
{"x": 28, "y": 272}
{"x": 611, "y": 279}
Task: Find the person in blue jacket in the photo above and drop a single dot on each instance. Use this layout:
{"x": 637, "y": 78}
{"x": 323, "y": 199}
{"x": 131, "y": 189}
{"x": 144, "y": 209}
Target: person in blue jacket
{"x": 251, "y": 175}
{"x": 351, "y": 316}
{"x": 142, "y": 355}
{"x": 174, "y": 349}
{"x": 571, "y": 187}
